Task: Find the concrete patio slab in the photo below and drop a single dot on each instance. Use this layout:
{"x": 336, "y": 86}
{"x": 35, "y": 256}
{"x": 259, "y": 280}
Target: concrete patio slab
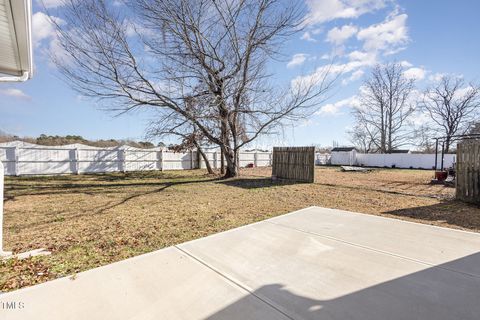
{"x": 425, "y": 243}
{"x": 165, "y": 284}
{"x": 312, "y": 264}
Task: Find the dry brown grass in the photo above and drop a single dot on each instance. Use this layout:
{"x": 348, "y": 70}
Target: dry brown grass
{"x": 92, "y": 220}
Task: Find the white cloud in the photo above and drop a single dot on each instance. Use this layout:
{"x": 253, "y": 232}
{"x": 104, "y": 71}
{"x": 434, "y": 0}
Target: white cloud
{"x": 374, "y": 41}
{"x": 320, "y": 11}
{"x": 462, "y": 92}
{"x": 340, "y": 35}
{"x": 389, "y": 36}
{"x": 297, "y": 60}
{"x": 15, "y": 93}
{"x": 436, "y": 77}
{"x": 414, "y": 73}
{"x": 50, "y": 3}
{"x": 359, "y": 55}
{"x": 334, "y": 108}
{"x": 356, "y": 75}
{"x": 420, "y": 118}
{"x": 406, "y": 64}
{"x": 308, "y": 35}
{"x": 43, "y": 28}
{"x": 133, "y": 29}
{"x": 357, "y": 60}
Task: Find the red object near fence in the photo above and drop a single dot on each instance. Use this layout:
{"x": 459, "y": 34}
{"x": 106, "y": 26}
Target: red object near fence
{"x": 441, "y": 175}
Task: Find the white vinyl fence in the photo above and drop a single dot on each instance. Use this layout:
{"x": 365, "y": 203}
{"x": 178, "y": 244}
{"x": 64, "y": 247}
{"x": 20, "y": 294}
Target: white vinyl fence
{"x": 397, "y": 160}
{"x": 21, "y": 158}
{"x": 322, "y": 158}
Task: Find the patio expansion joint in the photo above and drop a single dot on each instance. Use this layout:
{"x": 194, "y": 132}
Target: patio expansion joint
{"x": 235, "y": 283}
{"x": 373, "y": 249}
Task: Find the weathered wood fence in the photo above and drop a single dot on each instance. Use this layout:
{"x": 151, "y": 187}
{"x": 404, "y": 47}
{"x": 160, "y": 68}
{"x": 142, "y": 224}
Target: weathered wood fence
{"x": 294, "y": 163}
{"x": 468, "y": 171}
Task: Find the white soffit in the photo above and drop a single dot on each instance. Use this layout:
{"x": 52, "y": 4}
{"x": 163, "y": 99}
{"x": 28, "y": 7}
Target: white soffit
{"x": 15, "y": 37}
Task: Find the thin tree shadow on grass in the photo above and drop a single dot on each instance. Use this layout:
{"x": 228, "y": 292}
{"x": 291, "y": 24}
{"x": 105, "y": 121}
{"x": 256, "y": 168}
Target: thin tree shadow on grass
{"x": 13, "y": 190}
{"x": 256, "y": 183}
{"x": 113, "y": 204}
{"x": 452, "y": 212}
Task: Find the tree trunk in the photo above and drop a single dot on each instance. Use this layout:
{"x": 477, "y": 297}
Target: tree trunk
{"x": 222, "y": 162}
{"x": 382, "y": 132}
{"x": 448, "y": 141}
{"x": 390, "y": 146}
{"x": 205, "y": 159}
{"x": 231, "y": 164}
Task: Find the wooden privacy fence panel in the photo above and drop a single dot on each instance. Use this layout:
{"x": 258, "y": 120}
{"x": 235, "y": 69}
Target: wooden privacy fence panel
{"x": 468, "y": 171}
{"x": 294, "y": 163}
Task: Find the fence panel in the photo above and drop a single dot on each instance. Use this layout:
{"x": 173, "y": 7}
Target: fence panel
{"x": 398, "y": 160}
{"x": 294, "y": 163}
{"x": 179, "y": 160}
{"x": 246, "y": 158}
{"x": 46, "y": 160}
{"x": 30, "y": 159}
{"x": 468, "y": 171}
{"x": 141, "y": 160}
{"x": 7, "y": 156}
{"x": 322, "y": 158}
{"x": 99, "y": 160}
{"x": 264, "y": 159}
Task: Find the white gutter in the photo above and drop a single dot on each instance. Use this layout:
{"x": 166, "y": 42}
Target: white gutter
{"x": 16, "y": 40}
{"x": 24, "y": 77}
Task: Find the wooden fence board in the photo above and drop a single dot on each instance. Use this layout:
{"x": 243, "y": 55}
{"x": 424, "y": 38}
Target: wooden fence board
{"x": 294, "y": 163}
{"x": 468, "y": 171}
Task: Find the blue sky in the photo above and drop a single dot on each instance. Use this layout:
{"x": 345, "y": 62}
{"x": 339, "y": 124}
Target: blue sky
{"x": 429, "y": 37}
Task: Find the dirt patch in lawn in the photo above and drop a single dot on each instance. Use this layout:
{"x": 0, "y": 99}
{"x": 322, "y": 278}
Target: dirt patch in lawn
{"x": 92, "y": 220}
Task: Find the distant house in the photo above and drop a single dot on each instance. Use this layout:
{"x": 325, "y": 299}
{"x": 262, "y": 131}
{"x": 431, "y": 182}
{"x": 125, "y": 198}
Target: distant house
{"x": 401, "y": 151}
{"x": 344, "y": 149}
{"x": 256, "y": 150}
{"x": 343, "y": 156}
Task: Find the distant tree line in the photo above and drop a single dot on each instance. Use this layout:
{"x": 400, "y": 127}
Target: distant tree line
{"x": 390, "y": 104}
{"x": 56, "y": 140}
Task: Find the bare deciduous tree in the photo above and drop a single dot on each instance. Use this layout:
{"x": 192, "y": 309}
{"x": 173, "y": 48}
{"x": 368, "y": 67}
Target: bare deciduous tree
{"x": 423, "y": 138}
{"x": 385, "y": 107}
{"x": 452, "y": 106}
{"x": 190, "y": 137}
{"x": 160, "y": 53}
{"x": 361, "y": 139}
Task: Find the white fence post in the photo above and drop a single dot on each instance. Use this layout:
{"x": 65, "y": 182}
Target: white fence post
{"x": 191, "y": 160}
{"x": 2, "y": 172}
{"x": 15, "y": 163}
{"x": 121, "y": 160}
{"x": 215, "y": 157}
{"x": 255, "y": 159}
{"x": 76, "y": 161}
{"x": 160, "y": 159}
